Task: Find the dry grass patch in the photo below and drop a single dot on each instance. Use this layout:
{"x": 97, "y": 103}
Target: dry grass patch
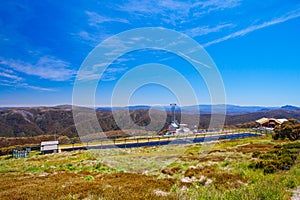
{"x": 66, "y": 185}
{"x": 209, "y": 158}
{"x": 219, "y": 179}
{"x": 251, "y": 148}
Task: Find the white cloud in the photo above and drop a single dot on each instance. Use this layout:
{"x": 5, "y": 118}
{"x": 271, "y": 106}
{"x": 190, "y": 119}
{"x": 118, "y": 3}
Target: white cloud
{"x": 215, "y": 5}
{"x": 111, "y": 73}
{"x": 95, "y": 73}
{"x": 25, "y": 85}
{"x": 176, "y": 10}
{"x": 168, "y": 13}
{"x": 108, "y": 78}
{"x": 10, "y": 79}
{"x": 87, "y": 75}
{"x": 6, "y": 84}
{"x": 193, "y": 60}
{"x": 95, "y": 19}
{"x": 10, "y": 76}
{"x": 179, "y": 6}
{"x": 204, "y": 30}
{"x": 87, "y": 36}
{"x": 113, "y": 70}
{"x": 92, "y": 38}
{"x": 143, "y": 6}
{"x": 289, "y": 16}
{"x": 18, "y": 82}
{"x": 46, "y": 67}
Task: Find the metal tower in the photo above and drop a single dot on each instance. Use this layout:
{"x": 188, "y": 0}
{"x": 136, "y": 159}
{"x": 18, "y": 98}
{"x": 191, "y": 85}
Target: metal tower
{"x": 173, "y": 105}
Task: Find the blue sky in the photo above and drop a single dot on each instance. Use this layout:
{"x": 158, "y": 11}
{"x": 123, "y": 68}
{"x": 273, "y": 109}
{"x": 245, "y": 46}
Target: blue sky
{"x": 254, "y": 44}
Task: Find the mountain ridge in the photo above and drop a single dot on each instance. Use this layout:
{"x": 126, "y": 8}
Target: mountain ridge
{"x": 205, "y": 108}
{"x": 191, "y": 109}
{"x": 27, "y": 121}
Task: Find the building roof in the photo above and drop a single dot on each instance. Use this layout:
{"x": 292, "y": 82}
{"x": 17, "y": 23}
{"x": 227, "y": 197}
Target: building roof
{"x": 282, "y": 120}
{"x": 266, "y": 120}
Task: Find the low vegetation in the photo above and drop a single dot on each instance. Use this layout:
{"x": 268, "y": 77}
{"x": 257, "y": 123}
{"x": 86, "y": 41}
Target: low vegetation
{"x": 250, "y": 168}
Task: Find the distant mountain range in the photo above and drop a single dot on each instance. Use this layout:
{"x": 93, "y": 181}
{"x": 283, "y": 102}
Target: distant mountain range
{"x": 26, "y": 121}
{"x": 206, "y": 109}
{"x": 203, "y": 109}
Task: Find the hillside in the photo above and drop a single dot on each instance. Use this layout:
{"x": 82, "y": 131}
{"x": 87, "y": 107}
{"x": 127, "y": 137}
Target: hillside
{"x": 20, "y": 122}
{"x": 170, "y": 172}
{"x": 280, "y": 113}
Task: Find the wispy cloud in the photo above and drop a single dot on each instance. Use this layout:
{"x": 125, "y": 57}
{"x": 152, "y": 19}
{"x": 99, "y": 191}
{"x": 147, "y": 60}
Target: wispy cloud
{"x": 289, "y": 16}
{"x": 18, "y": 82}
{"x": 110, "y": 74}
{"x": 215, "y": 5}
{"x": 46, "y": 67}
{"x": 174, "y": 14}
{"x": 157, "y": 6}
{"x": 91, "y": 38}
{"x": 87, "y": 36}
{"x": 95, "y": 19}
{"x": 172, "y": 11}
{"x": 143, "y": 6}
{"x": 25, "y": 85}
{"x": 204, "y": 30}
{"x": 98, "y": 33}
{"x": 115, "y": 69}
{"x": 193, "y": 60}
{"x": 10, "y": 76}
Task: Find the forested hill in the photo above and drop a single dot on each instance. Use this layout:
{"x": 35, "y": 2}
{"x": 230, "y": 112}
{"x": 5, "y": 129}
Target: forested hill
{"x": 20, "y": 122}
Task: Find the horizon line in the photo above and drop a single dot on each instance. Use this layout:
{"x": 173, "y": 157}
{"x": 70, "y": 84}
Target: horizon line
{"x": 156, "y": 105}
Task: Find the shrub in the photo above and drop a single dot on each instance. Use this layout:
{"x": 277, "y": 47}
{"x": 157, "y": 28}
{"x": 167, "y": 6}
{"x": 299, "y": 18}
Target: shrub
{"x": 89, "y": 178}
{"x": 294, "y": 145}
{"x": 269, "y": 169}
{"x": 64, "y": 140}
{"x": 270, "y": 162}
{"x": 289, "y": 129}
{"x": 70, "y": 167}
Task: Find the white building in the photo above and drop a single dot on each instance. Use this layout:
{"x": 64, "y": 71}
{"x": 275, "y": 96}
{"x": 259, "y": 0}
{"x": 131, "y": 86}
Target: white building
{"x": 49, "y": 147}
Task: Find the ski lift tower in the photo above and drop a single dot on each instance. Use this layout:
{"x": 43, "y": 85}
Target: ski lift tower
{"x": 174, "y": 125}
{"x": 173, "y": 105}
